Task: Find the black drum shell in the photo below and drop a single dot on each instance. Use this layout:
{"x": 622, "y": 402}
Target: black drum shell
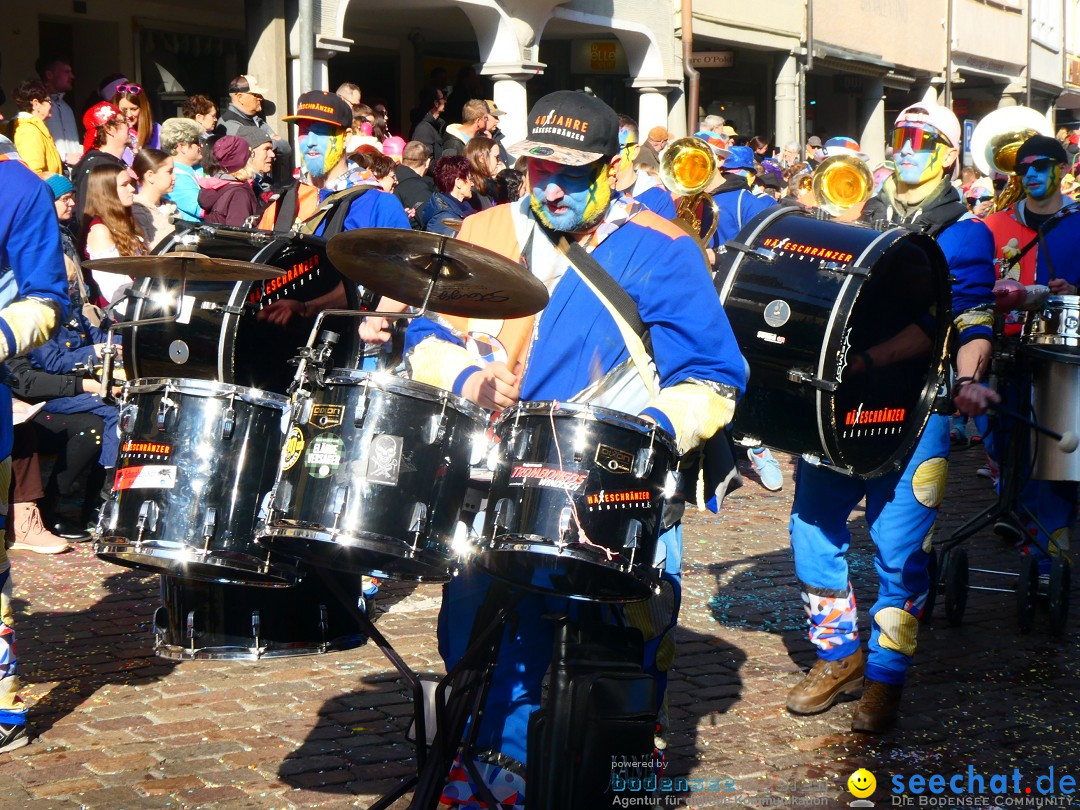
{"x": 224, "y": 338}
{"x": 388, "y": 457}
{"x": 829, "y": 291}
{"x": 304, "y": 619}
{"x": 558, "y": 459}
{"x": 211, "y": 467}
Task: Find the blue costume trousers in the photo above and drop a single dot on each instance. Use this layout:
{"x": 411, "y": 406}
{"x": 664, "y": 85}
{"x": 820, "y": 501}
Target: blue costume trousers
{"x": 526, "y": 649}
{"x": 91, "y": 403}
{"x": 900, "y": 510}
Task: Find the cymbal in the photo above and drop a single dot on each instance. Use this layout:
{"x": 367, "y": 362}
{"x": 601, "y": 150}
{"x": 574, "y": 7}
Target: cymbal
{"x": 470, "y": 281}
{"x": 181, "y": 264}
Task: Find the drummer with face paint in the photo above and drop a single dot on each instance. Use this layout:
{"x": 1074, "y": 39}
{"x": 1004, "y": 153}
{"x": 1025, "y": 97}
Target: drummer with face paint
{"x": 901, "y": 506}
{"x": 330, "y": 182}
{"x": 1047, "y": 507}
{"x": 573, "y": 157}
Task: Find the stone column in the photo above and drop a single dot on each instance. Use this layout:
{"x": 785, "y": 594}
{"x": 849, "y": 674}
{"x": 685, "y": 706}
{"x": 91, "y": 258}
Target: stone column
{"x": 510, "y": 95}
{"x": 872, "y": 136}
{"x": 653, "y": 106}
{"x": 787, "y": 100}
{"x": 928, "y": 94}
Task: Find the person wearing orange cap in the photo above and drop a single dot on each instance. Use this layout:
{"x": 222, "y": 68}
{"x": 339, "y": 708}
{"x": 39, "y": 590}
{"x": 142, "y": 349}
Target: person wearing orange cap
{"x": 107, "y": 136}
{"x": 901, "y": 506}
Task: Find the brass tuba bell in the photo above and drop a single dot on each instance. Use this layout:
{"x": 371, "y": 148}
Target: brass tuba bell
{"x": 840, "y": 182}
{"x": 686, "y": 167}
{"x": 996, "y": 140}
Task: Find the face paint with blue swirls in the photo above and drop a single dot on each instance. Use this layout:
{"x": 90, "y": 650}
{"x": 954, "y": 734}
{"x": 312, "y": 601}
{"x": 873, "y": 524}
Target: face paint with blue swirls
{"x": 569, "y": 198}
{"x": 1041, "y": 178}
{"x": 322, "y": 145}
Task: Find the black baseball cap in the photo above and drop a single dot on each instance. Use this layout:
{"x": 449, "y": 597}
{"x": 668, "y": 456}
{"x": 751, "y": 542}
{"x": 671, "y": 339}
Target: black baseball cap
{"x": 570, "y": 127}
{"x": 1038, "y": 146}
{"x": 324, "y": 107}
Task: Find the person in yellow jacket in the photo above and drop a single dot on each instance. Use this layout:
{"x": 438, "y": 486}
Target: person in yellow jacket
{"x": 32, "y": 138}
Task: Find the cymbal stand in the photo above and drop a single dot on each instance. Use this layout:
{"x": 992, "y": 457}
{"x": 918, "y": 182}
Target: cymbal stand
{"x": 308, "y": 352}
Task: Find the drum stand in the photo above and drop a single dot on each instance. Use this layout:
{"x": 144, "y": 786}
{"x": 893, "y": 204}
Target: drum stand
{"x": 470, "y": 679}
{"x": 951, "y": 575}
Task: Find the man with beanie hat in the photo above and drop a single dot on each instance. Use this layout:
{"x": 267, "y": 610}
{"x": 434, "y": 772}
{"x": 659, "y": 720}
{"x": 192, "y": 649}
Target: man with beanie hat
{"x": 182, "y": 138}
{"x": 228, "y": 198}
{"x": 901, "y": 506}
{"x": 573, "y": 156}
{"x": 1036, "y": 240}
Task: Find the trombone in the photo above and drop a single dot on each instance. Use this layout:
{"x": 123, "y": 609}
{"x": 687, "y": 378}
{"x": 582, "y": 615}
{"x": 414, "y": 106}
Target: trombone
{"x": 686, "y": 167}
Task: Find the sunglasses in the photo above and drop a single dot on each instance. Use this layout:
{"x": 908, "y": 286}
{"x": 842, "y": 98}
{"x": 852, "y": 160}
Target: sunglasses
{"x": 1038, "y": 164}
{"x": 923, "y": 139}
{"x": 130, "y": 89}
{"x": 974, "y": 200}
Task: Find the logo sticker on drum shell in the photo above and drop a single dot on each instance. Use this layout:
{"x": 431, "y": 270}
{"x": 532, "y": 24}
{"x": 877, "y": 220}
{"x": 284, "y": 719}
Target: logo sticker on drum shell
{"x": 327, "y": 416}
{"x": 777, "y": 313}
{"x": 294, "y": 447}
{"x": 539, "y": 475}
{"x": 324, "y": 456}
{"x": 614, "y": 460}
{"x": 384, "y": 460}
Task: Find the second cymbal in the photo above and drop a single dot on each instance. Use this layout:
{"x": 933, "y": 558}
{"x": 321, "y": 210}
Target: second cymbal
{"x": 182, "y": 264}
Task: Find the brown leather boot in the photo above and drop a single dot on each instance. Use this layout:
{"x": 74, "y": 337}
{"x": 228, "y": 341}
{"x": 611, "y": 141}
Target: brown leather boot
{"x": 825, "y": 682}
{"x": 878, "y": 707}
{"x": 30, "y": 533}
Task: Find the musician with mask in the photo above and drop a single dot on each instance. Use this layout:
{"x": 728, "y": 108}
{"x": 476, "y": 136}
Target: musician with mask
{"x": 573, "y": 153}
{"x": 1035, "y": 243}
{"x": 900, "y": 506}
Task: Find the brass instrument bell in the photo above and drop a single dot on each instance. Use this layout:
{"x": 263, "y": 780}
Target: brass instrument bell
{"x": 687, "y": 166}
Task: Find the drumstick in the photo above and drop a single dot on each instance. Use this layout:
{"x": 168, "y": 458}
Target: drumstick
{"x": 1067, "y": 441}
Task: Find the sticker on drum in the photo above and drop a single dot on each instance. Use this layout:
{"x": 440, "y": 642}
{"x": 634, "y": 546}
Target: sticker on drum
{"x": 777, "y": 313}
{"x": 614, "y": 460}
{"x": 325, "y": 417}
{"x": 294, "y": 448}
{"x": 324, "y": 456}
{"x": 384, "y": 460}
{"x": 148, "y": 476}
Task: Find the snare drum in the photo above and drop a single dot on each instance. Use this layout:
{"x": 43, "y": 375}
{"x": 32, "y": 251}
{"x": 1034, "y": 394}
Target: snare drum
{"x": 1056, "y": 326}
{"x": 575, "y": 501}
{"x": 218, "y": 334}
{"x": 197, "y": 463}
{"x": 373, "y": 477}
{"x": 805, "y": 297}
{"x": 207, "y": 620}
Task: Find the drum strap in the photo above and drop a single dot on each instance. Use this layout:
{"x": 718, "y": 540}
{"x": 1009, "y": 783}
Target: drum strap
{"x": 336, "y": 206}
{"x": 619, "y": 305}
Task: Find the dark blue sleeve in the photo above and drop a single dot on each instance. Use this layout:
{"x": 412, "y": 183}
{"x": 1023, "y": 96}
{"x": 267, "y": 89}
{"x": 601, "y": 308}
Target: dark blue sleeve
{"x": 55, "y": 358}
{"x": 1063, "y": 242}
{"x": 658, "y": 200}
{"x": 420, "y": 328}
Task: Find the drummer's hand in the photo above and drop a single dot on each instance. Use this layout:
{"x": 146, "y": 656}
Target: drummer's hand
{"x": 973, "y": 399}
{"x": 495, "y": 387}
{"x": 281, "y": 312}
{"x": 1059, "y": 286}
{"x": 375, "y": 330}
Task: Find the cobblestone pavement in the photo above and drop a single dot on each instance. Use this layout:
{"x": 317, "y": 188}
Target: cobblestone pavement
{"x": 121, "y": 728}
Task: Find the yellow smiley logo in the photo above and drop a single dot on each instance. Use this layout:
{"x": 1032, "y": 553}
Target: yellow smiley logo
{"x": 861, "y": 783}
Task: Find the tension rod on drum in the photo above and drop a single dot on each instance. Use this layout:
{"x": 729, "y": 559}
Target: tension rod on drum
{"x": 108, "y": 352}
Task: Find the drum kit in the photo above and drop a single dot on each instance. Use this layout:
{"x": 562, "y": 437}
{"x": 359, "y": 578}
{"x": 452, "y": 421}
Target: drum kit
{"x": 239, "y": 484}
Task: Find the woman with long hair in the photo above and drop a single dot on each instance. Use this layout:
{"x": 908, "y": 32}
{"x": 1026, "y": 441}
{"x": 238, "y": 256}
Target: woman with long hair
{"x": 485, "y": 163}
{"x": 111, "y": 229}
{"x": 133, "y": 102}
{"x": 154, "y": 214}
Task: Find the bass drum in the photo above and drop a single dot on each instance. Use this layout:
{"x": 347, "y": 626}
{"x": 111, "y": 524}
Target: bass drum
{"x": 218, "y": 334}
{"x": 805, "y": 297}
